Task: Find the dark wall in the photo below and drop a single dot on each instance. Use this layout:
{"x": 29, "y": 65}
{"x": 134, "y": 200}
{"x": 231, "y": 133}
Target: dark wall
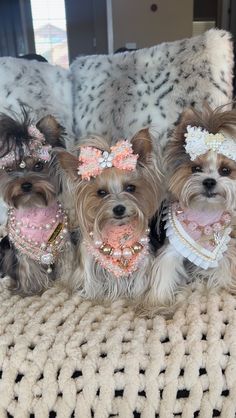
{"x": 205, "y": 9}
{"x": 233, "y": 19}
{"x": 11, "y": 31}
{"x": 86, "y": 27}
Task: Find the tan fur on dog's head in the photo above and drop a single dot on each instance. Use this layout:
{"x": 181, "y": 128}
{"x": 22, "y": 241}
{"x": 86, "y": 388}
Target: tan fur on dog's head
{"x": 138, "y": 192}
{"x": 209, "y": 180}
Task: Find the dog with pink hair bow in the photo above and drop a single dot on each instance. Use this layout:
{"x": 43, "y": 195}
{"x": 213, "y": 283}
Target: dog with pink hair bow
{"x": 117, "y": 191}
{"x": 37, "y": 246}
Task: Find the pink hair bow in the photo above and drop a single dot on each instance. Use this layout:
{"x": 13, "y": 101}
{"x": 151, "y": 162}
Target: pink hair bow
{"x": 36, "y": 146}
{"x": 35, "y": 149}
{"x": 93, "y": 161}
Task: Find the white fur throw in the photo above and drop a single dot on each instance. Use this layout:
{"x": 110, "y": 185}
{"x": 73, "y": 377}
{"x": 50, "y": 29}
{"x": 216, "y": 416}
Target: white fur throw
{"x": 62, "y": 357}
{"x": 118, "y": 94}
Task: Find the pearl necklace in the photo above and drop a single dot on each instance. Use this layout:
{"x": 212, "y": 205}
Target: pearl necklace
{"x": 122, "y": 259}
{"x": 199, "y": 236}
{"x": 39, "y": 233}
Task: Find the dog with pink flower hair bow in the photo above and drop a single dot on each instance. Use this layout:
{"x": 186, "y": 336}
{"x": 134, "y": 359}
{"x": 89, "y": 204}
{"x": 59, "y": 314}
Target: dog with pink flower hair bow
{"x": 117, "y": 191}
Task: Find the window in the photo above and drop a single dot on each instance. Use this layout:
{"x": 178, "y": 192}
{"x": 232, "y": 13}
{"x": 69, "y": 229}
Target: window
{"x": 49, "y": 23}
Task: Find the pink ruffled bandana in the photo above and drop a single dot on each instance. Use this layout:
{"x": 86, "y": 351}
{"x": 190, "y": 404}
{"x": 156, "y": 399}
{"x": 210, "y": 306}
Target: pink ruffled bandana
{"x": 201, "y": 237}
{"x": 119, "y": 251}
{"x": 39, "y": 233}
{"x": 93, "y": 161}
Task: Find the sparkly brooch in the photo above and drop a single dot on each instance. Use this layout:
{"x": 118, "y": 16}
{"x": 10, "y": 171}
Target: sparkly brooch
{"x": 106, "y": 160}
{"x": 199, "y": 141}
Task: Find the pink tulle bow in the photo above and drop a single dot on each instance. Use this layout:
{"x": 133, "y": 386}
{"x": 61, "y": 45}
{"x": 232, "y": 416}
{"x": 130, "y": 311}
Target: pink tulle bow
{"x": 93, "y": 161}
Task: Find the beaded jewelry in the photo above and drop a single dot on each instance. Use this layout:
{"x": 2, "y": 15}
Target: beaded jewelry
{"x": 39, "y": 233}
{"x": 201, "y": 237}
{"x": 119, "y": 251}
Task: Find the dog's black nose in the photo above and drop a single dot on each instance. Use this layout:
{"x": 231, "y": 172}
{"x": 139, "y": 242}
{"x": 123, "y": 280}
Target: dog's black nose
{"x": 26, "y": 187}
{"x": 119, "y": 210}
{"x": 209, "y": 183}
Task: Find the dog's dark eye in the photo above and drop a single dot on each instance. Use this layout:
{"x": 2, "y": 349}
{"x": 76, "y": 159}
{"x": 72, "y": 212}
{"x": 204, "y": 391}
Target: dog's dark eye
{"x": 8, "y": 169}
{"x": 102, "y": 193}
{"x": 130, "y": 188}
{"x": 38, "y": 166}
{"x": 196, "y": 169}
{"x": 224, "y": 171}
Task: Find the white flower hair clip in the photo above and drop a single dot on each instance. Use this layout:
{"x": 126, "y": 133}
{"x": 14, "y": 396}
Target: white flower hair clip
{"x": 199, "y": 141}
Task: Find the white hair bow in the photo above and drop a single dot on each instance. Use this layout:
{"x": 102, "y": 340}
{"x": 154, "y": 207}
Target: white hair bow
{"x": 199, "y": 141}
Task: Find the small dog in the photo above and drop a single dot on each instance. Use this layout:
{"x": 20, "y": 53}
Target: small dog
{"x": 201, "y": 179}
{"x": 118, "y": 189}
{"x": 37, "y": 231}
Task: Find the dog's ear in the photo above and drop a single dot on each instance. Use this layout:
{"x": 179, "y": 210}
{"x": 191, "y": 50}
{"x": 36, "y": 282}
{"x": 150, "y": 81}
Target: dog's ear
{"x": 142, "y": 145}
{"x": 69, "y": 163}
{"x": 52, "y": 130}
{"x": 188, "y": 117}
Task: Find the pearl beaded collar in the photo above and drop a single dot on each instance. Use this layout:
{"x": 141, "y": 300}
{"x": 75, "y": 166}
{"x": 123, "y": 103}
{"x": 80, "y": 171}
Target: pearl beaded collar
{"x": 119, "y": 252}
{"x": 201, "y": 237}
{"x": 39, "y": 233}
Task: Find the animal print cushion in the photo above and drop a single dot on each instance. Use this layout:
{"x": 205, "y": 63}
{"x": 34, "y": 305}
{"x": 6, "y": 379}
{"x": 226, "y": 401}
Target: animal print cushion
{"x": 43, "y": 87}
{"x": 118, "y": 94}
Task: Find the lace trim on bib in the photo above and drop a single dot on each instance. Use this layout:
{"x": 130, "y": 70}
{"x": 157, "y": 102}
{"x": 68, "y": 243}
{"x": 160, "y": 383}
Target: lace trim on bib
{"x": 200, "y": 237}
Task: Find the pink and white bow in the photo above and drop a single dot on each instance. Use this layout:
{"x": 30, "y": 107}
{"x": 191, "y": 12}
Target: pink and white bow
{"x": 93, "y": 161}
{"x": 35, "y": 149}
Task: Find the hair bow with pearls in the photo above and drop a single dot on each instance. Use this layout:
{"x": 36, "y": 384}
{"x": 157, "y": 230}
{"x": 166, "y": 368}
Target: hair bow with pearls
{"x": 199, "y": 141}
{"x": 35, "y": 149}
{"x": 93, "y": 161}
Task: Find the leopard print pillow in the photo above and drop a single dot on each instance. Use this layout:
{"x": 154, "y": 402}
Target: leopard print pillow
{"x": 116, "y": 95}
{"x": 42, "y": 88}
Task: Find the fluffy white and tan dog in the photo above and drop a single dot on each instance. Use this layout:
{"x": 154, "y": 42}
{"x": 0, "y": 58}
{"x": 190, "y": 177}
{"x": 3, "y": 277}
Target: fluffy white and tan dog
{"x": 117, "y": 190}
{"x": 200, "y": 164}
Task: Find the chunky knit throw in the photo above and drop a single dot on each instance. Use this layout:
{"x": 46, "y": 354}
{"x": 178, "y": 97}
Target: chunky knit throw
{"x": 64, "y": 357}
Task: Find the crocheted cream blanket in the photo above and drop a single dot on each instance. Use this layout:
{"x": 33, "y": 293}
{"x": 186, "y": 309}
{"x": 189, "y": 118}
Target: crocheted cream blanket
{"x": 64, "y": 357}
